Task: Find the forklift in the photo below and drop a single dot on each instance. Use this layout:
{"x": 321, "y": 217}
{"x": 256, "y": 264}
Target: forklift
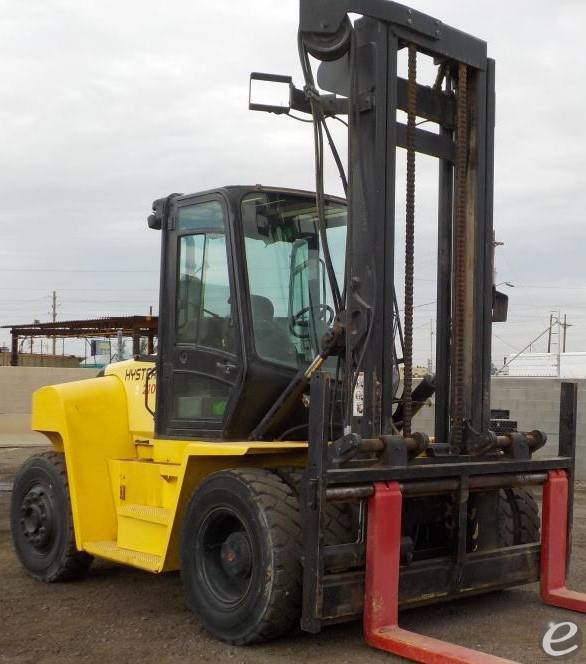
{"x": 269, "y": 451}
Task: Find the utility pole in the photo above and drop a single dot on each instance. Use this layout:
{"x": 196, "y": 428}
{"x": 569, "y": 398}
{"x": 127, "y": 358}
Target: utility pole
{"x": 555, "y": 321}
{"x": 431, "y": 346}
{"x": 54, "y": 319}
{"x": 554, "y": 337}
{"x": 565, "y": 325}
{"x": 120, "y": 345}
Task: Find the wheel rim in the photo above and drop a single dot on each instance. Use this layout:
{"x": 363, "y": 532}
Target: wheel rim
{"x": 37, "y": 518}
{"x": 224, "y": 554}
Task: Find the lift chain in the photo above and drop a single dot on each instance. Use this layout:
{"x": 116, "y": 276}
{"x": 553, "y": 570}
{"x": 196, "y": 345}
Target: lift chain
{"x": 409, "y": 239}
{"x": 459, "y": 260}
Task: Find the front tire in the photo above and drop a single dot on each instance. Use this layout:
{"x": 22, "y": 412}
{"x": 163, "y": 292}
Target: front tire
{"x": 41, "y": 521}
{"x": 518, "y": 517}
{"x": 240, "y": 556}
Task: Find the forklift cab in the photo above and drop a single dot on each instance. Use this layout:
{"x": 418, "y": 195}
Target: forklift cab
{"x": 244, "y": 301}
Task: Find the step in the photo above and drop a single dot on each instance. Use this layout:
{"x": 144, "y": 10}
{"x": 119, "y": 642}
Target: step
{"x": 169, "y": 470}
{"x": 111, "y": 551}
{"x": 149, "y": 513}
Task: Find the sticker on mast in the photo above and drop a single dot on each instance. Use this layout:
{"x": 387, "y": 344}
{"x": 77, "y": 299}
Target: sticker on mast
{"x": 358, "y": 397}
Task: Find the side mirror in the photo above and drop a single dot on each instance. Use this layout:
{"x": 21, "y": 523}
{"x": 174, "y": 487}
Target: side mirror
{"x": 161, "y": 206}
{"x": 155, "y": 220}
{"x": 271, "y": 93}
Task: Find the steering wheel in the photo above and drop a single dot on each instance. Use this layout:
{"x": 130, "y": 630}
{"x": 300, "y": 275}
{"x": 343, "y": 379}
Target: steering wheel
{"x": 326, "y": 314}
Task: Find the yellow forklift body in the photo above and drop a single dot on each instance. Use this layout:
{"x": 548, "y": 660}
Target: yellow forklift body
{"x": 129, "y": 489}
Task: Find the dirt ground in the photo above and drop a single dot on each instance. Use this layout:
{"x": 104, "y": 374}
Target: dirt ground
{"x": 124, "y": 615}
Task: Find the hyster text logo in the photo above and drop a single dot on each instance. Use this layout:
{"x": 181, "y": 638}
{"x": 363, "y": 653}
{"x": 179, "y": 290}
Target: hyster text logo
{"x": 136, "y": 373}
{"x": 562, "y": 639}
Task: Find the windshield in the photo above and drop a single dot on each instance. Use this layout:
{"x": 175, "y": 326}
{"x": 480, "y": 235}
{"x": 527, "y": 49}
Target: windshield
{"x": 291, "y": 297}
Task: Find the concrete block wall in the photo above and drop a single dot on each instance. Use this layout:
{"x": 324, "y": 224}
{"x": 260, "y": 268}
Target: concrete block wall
{"x": 17, "y": 385}
{"x": 41, "y": 360}
{"x": 535, "y": 404}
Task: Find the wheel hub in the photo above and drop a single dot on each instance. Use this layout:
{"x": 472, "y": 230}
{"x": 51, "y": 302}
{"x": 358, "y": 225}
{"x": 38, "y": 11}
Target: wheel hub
{"x": 236, "y": 556}
{"x": 36, "y": 517}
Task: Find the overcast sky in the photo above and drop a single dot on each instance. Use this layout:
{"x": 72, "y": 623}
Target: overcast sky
{"x": 108, "y": 105}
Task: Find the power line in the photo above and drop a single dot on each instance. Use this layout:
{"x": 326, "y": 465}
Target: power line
{"x": 36, "y": 299}
{"x": 150, "y": 301}
{"x": 73, "y": 271}
{"x": 88, "y": 301}
{"x": 547, "y": 329}
{"x": 550, "y": 287}
{"x": 22, "y": 288}
{"x": 505, "y": 342}
{"x": 425, "y": 304}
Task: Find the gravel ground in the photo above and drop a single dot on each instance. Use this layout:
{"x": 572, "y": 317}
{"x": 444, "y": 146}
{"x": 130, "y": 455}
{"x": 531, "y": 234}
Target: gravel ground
{"x": 123, "y": 615}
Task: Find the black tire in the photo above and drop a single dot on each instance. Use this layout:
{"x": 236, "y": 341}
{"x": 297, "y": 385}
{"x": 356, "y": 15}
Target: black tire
{"x": 340, "y": 525}
{"x": 41, "y": 521}
{"x": 240, "y": 553}
{"x": 518, "y": 518}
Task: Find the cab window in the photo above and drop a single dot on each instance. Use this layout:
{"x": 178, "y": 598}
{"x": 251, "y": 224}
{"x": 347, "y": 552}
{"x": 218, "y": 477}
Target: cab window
{"x": 203, "y": 310}
{"x": 290, "y": 295}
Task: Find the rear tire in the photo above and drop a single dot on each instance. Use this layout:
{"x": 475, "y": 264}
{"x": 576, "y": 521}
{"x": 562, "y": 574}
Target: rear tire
{"x": 240, "y": 556}
{"x": 41, "y": 521}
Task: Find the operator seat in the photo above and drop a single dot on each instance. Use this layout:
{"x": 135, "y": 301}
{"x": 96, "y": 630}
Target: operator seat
{"x": 272, "y": 341}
